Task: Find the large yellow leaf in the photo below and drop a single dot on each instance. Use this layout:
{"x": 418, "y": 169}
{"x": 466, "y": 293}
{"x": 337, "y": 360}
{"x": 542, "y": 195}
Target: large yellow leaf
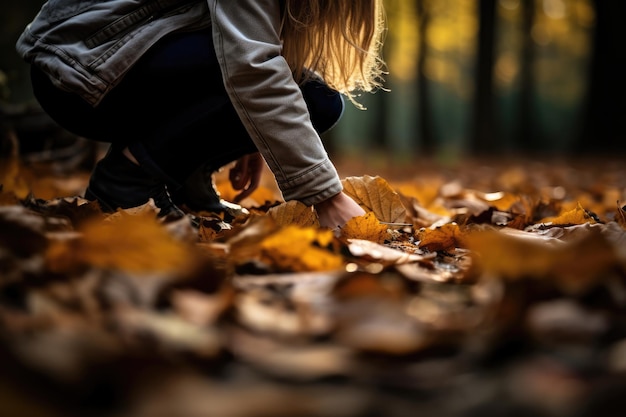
{"x": 366, "y": 227}
{"x": 375, "y": 194}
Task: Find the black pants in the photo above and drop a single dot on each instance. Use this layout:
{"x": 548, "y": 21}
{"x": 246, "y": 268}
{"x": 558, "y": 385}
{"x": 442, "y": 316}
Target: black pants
{"x": 172, "y": 110}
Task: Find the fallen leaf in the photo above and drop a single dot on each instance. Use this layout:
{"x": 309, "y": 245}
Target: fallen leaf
{"x": 572, "y": 266}
{"x": 294, "y": 212}
{"x": 133, "y": 243}
{"x": 372, "y": 251}
{"x": 442, "y": 238}
{"x": 577, "y": 215}
{"x": 377, "y": 196}
{"x": 295, "y": 248}
{"x": 367, "y": 227}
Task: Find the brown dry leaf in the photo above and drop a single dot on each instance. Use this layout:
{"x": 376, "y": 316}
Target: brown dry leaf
{"x": 294, "y": 212}
{"x": 380, "y": 325}
{"x": 200, "y": 308}
{"x": 371, "y": 315}
{"x": 303, "y": 287}
{"x": 302, "y": 362}
{"x": 286, "y": 303}
{"x": 264, "y": 312}
{"x": 375, "y": 194}
{"x": 75, "y": 210}
{"x": 169, "y": 331}
{"x": 577, "y": 215}
{"x": 210, "y": 228}
{"x": 296, "y": 248}
{"x": 133, "y": 243}
{"x": 448, "y": 269}
{"x": 372, "y": 251}
{"x": 366, "y": 227}
{"x": 443, "y": 238}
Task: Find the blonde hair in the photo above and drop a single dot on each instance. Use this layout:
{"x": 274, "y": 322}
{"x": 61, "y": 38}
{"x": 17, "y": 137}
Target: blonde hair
{"x": 339, "y": 40}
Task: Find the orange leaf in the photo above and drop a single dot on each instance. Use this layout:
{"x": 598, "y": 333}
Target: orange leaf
{"x": 577, "y": 215}
{"x": 442, "y": 238}
{"x": 130, "y": 243}
{"x": 574, "y": 265}
{"x": 293, "y": 212}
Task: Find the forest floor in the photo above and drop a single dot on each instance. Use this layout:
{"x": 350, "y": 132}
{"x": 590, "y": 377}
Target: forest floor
{"x": 474, "y": 287}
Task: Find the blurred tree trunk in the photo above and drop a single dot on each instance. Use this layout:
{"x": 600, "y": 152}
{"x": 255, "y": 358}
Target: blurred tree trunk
{"x": 425, "y": 118}
{"x": 526, "y": 136}
{"x": 483, "y": 137}
{"x": 604, "y": 123}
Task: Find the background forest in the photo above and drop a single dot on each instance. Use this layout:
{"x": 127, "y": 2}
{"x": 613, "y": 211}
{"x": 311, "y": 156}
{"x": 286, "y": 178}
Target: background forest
{"x": 465, "y": 77}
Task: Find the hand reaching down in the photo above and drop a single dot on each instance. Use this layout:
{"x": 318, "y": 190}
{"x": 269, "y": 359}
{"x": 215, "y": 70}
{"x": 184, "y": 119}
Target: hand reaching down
{"x": 246, "y": 175}
{"x": 337, "y": 210}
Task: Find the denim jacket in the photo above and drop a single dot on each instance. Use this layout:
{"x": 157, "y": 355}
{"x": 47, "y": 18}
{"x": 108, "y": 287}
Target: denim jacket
{"x": 86, "y": 46}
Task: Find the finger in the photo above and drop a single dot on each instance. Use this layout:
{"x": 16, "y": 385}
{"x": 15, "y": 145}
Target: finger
{"x": 255, "y": 180}
{"x": 239, "y": 181}
{"x": 238, "y": 175}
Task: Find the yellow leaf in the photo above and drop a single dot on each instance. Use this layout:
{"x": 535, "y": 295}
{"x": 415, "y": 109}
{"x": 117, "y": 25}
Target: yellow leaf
{"x": 375, "y": 194}
{"x": 295, "y": 248}
{"x": 365, "y": 227}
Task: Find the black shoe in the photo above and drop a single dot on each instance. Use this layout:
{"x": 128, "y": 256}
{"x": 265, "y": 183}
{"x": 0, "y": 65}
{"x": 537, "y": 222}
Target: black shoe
{"x": 117, "y": 182}
{"x": 198, "y": 193}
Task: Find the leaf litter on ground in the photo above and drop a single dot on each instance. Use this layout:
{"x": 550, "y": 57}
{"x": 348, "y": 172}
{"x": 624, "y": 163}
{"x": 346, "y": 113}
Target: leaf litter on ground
{"x": 494, "y": 288}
